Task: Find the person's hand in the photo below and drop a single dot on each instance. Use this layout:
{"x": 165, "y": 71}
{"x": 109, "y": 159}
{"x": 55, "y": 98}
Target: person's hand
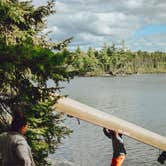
{"x": 70, "y": 116}
{"x": 116, "y": 133}
{"x": 107, "y": 130}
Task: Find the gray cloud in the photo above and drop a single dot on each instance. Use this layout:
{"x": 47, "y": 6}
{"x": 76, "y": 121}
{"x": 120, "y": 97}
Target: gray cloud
{"x": 93, "y": 22}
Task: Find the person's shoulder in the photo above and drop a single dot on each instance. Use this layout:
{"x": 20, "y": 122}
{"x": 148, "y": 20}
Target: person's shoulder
{"x": 17, "y": 137}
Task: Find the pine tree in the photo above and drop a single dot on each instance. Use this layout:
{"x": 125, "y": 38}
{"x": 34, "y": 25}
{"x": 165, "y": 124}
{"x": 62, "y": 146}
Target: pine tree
{"x": 28, "y": 62}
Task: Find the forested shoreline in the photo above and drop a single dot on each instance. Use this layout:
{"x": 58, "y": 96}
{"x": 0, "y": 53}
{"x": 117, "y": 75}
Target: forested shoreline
{"x": 112, "y": 60}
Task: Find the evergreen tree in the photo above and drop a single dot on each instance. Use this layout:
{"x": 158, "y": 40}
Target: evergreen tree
{"x": 79, "y": 61}
{"x": 104, "y": 58}
{"x": 92, "y": 61}
{"x": 28, "y": 61}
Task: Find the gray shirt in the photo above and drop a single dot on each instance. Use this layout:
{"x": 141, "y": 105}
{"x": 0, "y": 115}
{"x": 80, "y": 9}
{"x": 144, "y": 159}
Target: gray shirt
{"x": 14, "y": 150}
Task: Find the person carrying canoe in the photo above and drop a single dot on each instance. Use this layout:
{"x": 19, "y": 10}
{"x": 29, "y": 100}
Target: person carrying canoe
{"x": 119, "y": 151}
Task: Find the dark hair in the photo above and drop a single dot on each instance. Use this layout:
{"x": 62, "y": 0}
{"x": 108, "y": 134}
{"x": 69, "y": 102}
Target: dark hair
{"x": 19, "y": 120}
{"x": 109, "y": 133}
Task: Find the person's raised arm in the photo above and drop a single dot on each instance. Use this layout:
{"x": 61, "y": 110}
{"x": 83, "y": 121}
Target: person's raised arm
{"x": 120, "y": 139}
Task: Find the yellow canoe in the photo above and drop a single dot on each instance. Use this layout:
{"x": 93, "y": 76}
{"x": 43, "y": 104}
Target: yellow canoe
{"x": 94, "y": 116}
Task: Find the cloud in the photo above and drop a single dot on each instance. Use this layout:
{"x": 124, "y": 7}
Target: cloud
{"x": 93, "y": 22}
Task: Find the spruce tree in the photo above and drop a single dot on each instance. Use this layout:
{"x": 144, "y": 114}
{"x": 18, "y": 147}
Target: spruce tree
{"x": 27, "y": 62}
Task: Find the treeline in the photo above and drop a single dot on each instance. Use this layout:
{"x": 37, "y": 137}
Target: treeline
{"x": 112, "y": 60}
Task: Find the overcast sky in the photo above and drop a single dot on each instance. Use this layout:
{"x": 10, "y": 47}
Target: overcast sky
{"x": 140, "y": 23}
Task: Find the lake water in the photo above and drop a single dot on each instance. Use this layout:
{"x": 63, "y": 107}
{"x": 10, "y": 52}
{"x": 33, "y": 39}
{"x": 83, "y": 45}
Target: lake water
{"x": 140, "y": 99}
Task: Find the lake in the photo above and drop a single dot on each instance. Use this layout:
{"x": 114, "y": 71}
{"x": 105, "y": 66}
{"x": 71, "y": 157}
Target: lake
{"x": 140, "y": 99}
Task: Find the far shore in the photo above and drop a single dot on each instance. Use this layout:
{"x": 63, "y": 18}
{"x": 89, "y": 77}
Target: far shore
{"x": 118, "y": 74}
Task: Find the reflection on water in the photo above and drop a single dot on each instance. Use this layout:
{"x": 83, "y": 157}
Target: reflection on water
{"x": 140, "y": 99}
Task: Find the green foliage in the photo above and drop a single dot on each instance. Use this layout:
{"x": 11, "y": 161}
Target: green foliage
{"x": 118, "y": 60}
{"x": 27, "y": 63}
{"x": 86, "y": 63}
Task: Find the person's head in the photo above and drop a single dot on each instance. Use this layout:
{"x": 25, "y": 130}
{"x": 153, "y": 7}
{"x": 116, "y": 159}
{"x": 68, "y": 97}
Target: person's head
{"x": 19, "y": 123}
{"x": 111, "y": 131}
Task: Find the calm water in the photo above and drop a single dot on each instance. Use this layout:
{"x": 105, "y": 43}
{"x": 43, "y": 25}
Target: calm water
{"x": 140, "y": 99}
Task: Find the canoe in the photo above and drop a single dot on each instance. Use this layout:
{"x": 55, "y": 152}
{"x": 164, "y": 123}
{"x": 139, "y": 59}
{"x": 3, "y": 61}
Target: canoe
{"x": 100, "y": 118}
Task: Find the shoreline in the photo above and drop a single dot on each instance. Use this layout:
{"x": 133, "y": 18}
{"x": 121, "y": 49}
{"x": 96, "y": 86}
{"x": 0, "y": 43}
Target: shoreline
{"x": 119, "y": 75}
